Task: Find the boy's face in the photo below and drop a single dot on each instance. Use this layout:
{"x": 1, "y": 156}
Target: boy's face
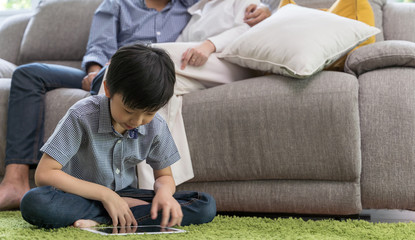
{"x": 124, "y": 118}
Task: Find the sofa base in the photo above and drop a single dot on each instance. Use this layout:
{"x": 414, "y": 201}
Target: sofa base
{"x": 283, "y": 196}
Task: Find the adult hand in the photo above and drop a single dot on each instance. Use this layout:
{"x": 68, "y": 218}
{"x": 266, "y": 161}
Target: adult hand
{"x": 118, "y": 210}
{"x": 170, "y": 209}
{"x": 87, "y": 80}
{"x": 254, "y": 14}
{"x": 92, "y": 71}
{"x": 199, "y": 55}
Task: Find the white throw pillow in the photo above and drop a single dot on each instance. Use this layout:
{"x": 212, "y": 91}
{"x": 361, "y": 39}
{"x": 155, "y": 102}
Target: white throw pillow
{"x": 297, "y": 41}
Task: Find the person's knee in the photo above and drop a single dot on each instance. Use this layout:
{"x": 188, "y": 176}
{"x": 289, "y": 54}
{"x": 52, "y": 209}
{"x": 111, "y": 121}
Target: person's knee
{"x": 208, "y": 209}
{"x": 197, "y": 207}
{"x": 25, "y": 75}
{"x": 35, "y": 206}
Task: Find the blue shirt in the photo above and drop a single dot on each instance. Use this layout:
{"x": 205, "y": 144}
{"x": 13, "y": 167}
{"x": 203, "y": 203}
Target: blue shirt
{"x": 117, "y": 23}
{"x": 88, "y": 147}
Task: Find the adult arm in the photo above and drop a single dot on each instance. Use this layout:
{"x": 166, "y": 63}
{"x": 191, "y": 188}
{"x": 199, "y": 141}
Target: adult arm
{"x": 102, "y": 42}
{"x": 49, "y": 173}
{"x": 198, "y": 55}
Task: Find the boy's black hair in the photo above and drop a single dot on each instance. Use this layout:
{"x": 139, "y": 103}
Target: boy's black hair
{"x": 143, "y": 75}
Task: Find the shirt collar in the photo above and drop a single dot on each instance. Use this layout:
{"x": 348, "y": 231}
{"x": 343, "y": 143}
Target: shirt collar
{"x": 105, "y": 125}
{"x": 143, "y": 5}
{"x": 197, "y": 7}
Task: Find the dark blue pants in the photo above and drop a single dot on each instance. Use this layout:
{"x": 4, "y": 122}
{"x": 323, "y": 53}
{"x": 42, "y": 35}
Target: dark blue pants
{"x": 26, "y": 110}
{"x": 48, "y": 207}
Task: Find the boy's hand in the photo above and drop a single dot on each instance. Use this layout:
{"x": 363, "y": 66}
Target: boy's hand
{"x": 170, "y": 209}
{"x": 118, "y": 210}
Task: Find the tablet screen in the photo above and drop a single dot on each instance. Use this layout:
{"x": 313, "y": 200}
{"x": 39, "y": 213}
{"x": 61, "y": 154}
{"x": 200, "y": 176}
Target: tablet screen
{"x": 151, "y": 229}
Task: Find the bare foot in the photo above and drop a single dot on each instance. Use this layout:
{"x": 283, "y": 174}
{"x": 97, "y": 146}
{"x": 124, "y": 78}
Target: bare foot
{"x": 132, "y": 202}
{"x": 14, "y": 185}
{"x": 84, "y": 223}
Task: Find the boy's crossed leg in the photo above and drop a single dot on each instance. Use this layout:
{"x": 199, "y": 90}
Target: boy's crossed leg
{"x": 49, "y": 207}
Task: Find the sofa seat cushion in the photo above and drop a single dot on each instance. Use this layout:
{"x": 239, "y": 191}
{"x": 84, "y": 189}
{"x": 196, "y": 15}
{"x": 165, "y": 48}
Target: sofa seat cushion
{"x": 272, "y": 127}
{"x": 57, "y": 102}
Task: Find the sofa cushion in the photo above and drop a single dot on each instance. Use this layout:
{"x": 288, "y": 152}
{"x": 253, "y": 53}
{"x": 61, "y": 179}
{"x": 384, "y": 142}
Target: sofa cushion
{"x": 12, "y": 30}
{"x": 279, "y": 196}
{"x": 274, "y": 128}
{"x": 59, "y": 30}
{"x": 6, "y": 68}
{"x": 358, "y": 10}
{"x": 387, "y": 110}
{"x": 4, "y": 99}
{"x": 392, "y": 53}
{"x": 55, "y": 108}
{"x": 399, "y": 21}
{"x": 297, "y": 41}
{"x": 377, "y": 6}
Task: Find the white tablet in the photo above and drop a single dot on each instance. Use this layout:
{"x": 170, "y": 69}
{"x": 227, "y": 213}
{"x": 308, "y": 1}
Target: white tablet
{"x": 148, "y": 229}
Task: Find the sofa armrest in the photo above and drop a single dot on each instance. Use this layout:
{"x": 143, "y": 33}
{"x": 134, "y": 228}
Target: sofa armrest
{"x": 399, "y": 21}
{"x": 11, "y": 34}
{"x": 6, "y": 68}
{"x": 378, "y": 55}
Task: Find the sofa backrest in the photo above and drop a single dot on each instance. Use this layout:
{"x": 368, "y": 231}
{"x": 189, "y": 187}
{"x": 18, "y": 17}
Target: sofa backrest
{"x": 399, "y": 21}
{"x": 58, "y": 32}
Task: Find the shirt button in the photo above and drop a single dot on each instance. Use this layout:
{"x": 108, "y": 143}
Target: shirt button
{"x": 119, "y": 141}
{"x": 117, "y": 171}
{"x": 158, "y": 33}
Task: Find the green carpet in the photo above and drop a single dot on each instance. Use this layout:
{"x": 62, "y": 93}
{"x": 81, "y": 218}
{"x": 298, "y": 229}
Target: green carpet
{"x": 12, "y": 226}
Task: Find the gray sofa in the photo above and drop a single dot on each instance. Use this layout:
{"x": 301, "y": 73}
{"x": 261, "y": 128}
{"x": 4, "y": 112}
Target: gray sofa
{"x": 330, "y": 144}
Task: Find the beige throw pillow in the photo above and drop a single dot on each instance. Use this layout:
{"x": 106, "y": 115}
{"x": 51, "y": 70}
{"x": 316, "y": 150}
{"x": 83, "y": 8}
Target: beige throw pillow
{"x": 297, "y": 41}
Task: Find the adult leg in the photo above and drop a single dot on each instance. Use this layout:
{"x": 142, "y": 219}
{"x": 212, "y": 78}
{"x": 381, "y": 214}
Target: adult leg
{"x": 197, "y": 207}
{"x": 48, "y": 207}
{"x": 25, "y": 123}
{"x": 172, "y": 113}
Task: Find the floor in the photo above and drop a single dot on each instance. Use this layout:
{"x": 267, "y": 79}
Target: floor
{"x": 371, "y": 215}
{"x": 388, "y": 216}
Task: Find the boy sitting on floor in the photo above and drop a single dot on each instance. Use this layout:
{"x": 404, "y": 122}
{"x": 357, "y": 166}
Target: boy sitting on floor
{"x": 87, "y": 173}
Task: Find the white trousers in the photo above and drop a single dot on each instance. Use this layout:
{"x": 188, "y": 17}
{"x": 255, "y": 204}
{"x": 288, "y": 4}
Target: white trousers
{"x": 172, "y": 113}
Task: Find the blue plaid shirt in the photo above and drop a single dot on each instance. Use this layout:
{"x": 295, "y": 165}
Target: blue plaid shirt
{"x": 117, "y": 23}
{"x": 88, "y": 147}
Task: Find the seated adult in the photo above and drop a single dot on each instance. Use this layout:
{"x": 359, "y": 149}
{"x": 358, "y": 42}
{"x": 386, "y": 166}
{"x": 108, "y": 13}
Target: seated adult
{"x": 214, "y": 25}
